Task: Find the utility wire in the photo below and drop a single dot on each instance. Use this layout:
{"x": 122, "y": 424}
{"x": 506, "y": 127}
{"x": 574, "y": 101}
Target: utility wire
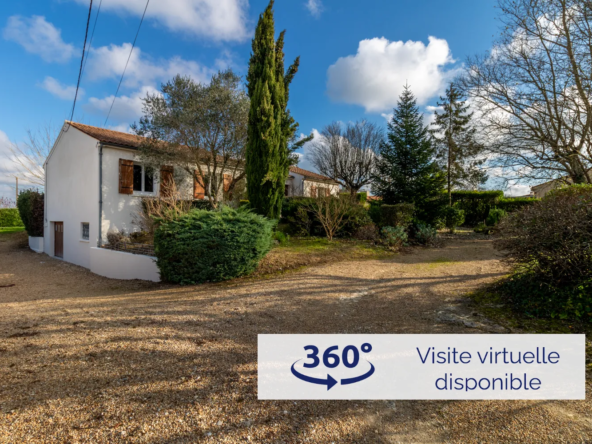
{"x": 82, "y": 60}
{"x": 126, "y": 63}
{"x": 92, "y": 35}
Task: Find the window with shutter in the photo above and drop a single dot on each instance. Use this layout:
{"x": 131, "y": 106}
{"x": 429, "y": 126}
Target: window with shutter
{"x": 198, "y": 190}
{"x": 167, "y": 179}
{"x": 313, "y": 191}
{"x": 126, "y": 176}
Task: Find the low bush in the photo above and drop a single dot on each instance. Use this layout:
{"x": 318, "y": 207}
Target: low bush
{"x": 306, "y": 218}
{"x": 453, "y": 218}
{"x": 424, "y": 234}
{"x": 476, "y": 204}
{"x": 9, "y": 217}
{"x": 550, "y": 246}
{"x": 495, "y": 216}
{"x": 394, "y": 237}
{"x": 212, "y": 246}
{"x": 510, "y": 204}
{"x": 281, "y": 237}
{"x": 368, "y": 233}
{"x": 30, "y": 204}
{"x": 399, "y": 215}
{"x": 481, "y": 228}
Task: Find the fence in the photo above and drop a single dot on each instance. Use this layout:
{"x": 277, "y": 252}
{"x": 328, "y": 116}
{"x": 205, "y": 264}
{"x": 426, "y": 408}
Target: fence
{"x": 131, "y": 247}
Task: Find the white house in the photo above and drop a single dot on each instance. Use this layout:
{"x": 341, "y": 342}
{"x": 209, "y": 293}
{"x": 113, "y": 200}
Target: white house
{"x": 94, "y": 185}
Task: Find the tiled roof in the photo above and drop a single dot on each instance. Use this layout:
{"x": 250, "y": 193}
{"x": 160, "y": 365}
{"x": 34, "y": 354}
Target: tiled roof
{"x": 109, "y": 136}
{"x": 133, "y": 141}
{"x": 309, "y": 174}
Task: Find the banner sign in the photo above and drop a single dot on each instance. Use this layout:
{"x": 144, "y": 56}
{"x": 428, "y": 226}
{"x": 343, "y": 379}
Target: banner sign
{"x": 366, "y": 367}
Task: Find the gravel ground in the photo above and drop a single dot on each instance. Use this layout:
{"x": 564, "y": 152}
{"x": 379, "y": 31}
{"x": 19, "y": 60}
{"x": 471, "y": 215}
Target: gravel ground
{"x": 88, "y": 359}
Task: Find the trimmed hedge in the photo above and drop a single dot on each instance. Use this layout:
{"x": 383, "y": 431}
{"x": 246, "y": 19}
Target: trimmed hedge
{"x": 476, "y": 204}
{"x": 31, "y": 209}
{"x": 9, "y": 217}
{"x": 212, "y": 246}
{"x": 509, "y": 204}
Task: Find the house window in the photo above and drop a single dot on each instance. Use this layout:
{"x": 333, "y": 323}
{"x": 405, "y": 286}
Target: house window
{"x": 321, "y": 192}
{"x": 143, "y": 179}
{"x": 85, "y": 231}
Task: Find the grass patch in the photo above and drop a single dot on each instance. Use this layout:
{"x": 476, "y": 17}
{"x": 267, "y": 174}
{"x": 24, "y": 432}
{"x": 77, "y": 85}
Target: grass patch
{"x": 11, "y": 229}
{"x": 297, "y": 253}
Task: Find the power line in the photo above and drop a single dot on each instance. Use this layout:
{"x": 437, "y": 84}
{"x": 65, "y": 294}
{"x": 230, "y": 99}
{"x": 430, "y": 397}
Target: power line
{"x": 126, "y": 63}
{"x": 82, "y": 60}
{"x": 92, "y": 35}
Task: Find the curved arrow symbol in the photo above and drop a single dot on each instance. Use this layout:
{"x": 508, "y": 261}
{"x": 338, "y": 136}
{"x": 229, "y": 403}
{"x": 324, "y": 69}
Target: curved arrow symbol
{"x": 329, "y": 382}
{"x": 359, "y": 378}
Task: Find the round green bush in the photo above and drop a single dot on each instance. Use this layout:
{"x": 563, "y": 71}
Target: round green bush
{"x": 212, "y": 246}
{"x": 9, "y": 217}
{"x": 394, "y": 237}
{"x": 495, "y": 216}
{"x": 453, "y": 218}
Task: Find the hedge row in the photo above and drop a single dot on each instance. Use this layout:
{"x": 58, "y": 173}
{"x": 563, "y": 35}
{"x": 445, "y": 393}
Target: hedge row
{"x": 9, "y": 217}
{"x": 31, "y": 209}
{"x": 511, "y": 204}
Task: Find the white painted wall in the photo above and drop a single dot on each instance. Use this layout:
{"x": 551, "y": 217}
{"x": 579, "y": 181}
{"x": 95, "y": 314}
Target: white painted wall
{"x": 301, "y": 186}
{"x": 119, "y": 265}
{"x": 72, "y": 194}
{"x": 36, "y": 244}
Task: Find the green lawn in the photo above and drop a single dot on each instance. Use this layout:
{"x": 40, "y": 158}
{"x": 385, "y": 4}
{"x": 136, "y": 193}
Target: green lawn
{"x": 11, "y": 229}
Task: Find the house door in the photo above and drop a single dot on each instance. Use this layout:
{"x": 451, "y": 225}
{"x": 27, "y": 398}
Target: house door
{"x": 58, "y": 239}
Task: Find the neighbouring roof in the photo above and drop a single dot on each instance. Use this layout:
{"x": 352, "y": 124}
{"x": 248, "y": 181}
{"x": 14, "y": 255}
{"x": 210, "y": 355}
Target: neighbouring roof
{"x": 309, "y": 174}
{"x": 109, "y": 136}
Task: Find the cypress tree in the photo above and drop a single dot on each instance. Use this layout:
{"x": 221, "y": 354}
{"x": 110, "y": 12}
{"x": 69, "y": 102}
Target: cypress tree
{"x": 457, "y": 149}
{"x": 271, "y": 127}
{"x": 406, "y": 170}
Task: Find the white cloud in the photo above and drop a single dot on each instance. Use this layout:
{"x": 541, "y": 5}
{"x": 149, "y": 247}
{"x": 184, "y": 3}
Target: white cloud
{"x": 303, "y": 160}
{"x": 109, "y": 61}
{"x": 9, "y": 169}
{"x": 374, "y": 77}
{"x": 518, "y": 190}
{"x": 60, "y": 90}
{"x": 315, "y": 7}
{"x": 126, "y": 109}
{"x": 223, "y": 20}
{"x": 39, "y": 37}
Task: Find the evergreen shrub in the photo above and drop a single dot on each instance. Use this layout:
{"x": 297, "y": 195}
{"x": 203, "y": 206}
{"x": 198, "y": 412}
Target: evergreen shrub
{"x": 211, "y": 246}
{"x": 31, "y": 207}
{"x": 453, "y": 218}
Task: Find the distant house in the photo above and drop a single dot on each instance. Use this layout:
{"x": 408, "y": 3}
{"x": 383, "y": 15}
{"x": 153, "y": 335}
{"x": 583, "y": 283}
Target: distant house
{"x": 94, "y": 185}
{"x": 306, "y": 183}
{"x": 544, "y": 188}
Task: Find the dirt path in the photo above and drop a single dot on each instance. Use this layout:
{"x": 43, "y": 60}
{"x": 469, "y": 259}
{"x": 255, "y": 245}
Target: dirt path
{"x": 87, "y": 359}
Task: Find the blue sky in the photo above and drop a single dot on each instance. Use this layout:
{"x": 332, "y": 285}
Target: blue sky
{"x": 355, "y": 56}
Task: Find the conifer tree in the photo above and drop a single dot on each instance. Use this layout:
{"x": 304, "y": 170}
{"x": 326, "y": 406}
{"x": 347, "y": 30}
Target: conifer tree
{"x": 406, "y": 170}
{"x": 271, "y": 127}
{"x": 457, "y": 149}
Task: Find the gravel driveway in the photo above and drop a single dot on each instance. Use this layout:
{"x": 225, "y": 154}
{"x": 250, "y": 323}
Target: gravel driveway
{"x": 88, "y": 359}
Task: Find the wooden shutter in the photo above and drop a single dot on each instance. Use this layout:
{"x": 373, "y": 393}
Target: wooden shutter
{"x": 167, "y": 178}
{"x": 199, "y": 191}
{"x": 126, "y": 176}
{"x": 327, "y": 192}
{"x": 313, "y": 191}
{"x": 227, "y": 182}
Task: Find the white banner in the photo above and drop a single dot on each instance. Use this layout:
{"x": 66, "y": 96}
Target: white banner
{"x": 422, "y": 367}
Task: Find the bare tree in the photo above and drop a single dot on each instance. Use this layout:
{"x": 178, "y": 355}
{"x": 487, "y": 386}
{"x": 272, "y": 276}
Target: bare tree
{"x": 28, "y": 158}
{"x": 347, "y": 154}
{"x": 533, "y": 90}
{"x": 331, "y": 212}
{"x": 201, "y": 128}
